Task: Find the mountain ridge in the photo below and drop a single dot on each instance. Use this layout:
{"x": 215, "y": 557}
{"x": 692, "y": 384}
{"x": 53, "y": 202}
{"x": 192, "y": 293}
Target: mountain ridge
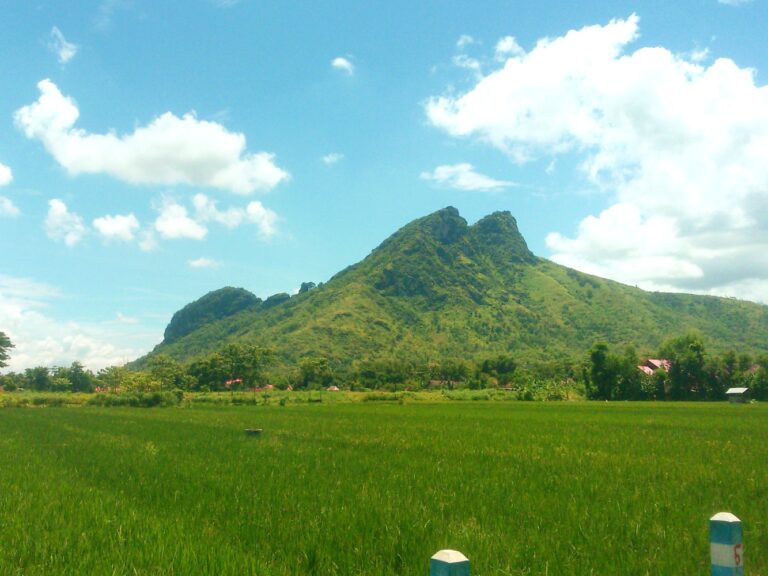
{"x": 441, "y": 288}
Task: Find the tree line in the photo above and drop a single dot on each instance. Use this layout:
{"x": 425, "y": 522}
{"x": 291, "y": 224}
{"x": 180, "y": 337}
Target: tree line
{"x": 606, "y": 373}
{"x": 692, "y": 374}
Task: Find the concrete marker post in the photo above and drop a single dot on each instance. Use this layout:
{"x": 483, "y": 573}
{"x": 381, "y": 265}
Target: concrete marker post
{"x": 448, "y": 563}
{"x": 726, "y": 545}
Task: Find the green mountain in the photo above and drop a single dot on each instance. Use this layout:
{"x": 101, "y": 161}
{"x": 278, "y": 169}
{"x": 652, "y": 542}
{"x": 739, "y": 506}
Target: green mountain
{"x": 439, "y": 288}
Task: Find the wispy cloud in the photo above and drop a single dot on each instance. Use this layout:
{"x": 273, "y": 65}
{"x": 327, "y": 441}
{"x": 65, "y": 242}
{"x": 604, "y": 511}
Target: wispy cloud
{"x": 734, "y": 2}
{"x": 332, "y": 158}
{"x": 464, "y": 41}
{"x": 8, "y": 208}
{"x": 64, "y": 50}
{"x": 203, "y": 263}
{"x": 464, "y": 177}
{"x": 106, "y": 12}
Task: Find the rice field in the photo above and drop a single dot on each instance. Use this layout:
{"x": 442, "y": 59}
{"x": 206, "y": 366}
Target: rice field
{"x": 376, "y": 488}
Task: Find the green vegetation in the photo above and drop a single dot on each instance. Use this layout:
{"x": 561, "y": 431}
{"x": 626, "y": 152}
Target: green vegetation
{"x": 5, "y": 346}
{"x": 378, "y": 487}
{"x": 693, "y": 373}
{"x": 440, "y": 291}
{"x": 213, "y": 306}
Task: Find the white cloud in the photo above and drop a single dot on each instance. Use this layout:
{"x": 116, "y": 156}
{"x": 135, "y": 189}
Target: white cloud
{"x": 464, "y": 61}
{"x": 203, "y": 263}
{"x": 6, "y": 175}
{"x": 207, "y": 211}
{"x": 698, "y": 55}
{"x": 8, "y": 208}
{"x": 679, "y": 148}
{"x": 464, "y": 41}
{"x": 332, "y": 158}
{"x": 121, "y": 318}
{"x": 508, "y": 46}
{"x": 40, "y": 340}
{"x": 464, "y": 177}
{"x": 265, "y": 219}
{"x": 169, "y": 150}
{"x": 63, "y": 225}
{"x": 344, "y": 64}
{"x": 64, "y": 50}
{"x": 117, "y": 227}
{"x": 734, "y": 2}
{"x": 174, "y": 222}
{"x": 106, "y": 12}
{"x": 147, "y": 241}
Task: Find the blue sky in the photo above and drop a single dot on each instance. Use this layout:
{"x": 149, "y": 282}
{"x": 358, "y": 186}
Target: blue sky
{"x": 151, "y": 153}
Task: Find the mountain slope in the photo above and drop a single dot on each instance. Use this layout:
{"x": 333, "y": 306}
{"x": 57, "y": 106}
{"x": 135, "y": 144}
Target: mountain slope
{"x": 440, "y": 288}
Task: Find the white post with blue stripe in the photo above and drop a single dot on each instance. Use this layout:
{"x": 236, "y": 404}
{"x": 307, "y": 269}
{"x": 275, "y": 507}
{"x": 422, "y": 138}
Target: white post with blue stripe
{"x": 726, "y": 545}
{"x": 449, "y": 563}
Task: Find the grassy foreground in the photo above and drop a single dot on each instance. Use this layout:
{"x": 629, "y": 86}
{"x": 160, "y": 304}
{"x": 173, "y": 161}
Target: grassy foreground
{"x": 377, "y": 488}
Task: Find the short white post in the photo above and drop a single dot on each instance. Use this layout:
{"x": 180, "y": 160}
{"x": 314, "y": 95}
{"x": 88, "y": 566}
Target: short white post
{"x": 726, "y": 546}
{"x": 449, "y": 563}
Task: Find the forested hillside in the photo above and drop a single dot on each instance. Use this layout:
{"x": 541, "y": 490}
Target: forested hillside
{"x": 441, "y": 289}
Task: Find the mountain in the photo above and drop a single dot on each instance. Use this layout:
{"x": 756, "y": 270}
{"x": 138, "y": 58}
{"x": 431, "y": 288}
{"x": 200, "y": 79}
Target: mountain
{"x": 441, "y": 288}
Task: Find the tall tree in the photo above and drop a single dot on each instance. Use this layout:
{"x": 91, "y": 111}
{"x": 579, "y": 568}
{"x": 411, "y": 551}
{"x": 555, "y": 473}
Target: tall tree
{"x": 169, "y": 372}
{"x": 5, "y": 346}
{"x": 686, "y": 375}
{"x": 603, "y": 372}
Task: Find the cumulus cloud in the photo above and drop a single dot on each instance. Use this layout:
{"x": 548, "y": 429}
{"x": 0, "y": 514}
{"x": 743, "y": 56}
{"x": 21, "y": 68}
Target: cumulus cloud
{"x": 169, "y": 150}
{"x": 343, "y": 64}
{"x": 8, "y": 208}
{"x": 679, "y": 148}
{"x": 64, "y": 50}
{"x": 508, "y": 46}
{"x": 39, "y": 340}
{"x": 332, "y": 158}
{"x": 117, "y": 227}
{"x": 264, "y": 218}
{"x": 464, "y": 177}
{"x": 203, "y": 263}
{"x": 62, "y": 225}
{"x": 206, "y": 210}
{"x": 6, "y": 175}
{"x": 174, "y": 222}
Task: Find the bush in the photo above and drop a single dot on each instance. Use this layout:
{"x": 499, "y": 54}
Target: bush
{"x": 147, "y": 400}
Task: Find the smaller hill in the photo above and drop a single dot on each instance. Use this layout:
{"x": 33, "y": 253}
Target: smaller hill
{"x": 215, "y": 305}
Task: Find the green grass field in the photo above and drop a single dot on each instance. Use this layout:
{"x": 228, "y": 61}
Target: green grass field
{"x": 376, "y": 488}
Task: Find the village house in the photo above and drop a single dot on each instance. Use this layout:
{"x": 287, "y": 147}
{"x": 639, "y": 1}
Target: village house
{"x": 738, "y": 395}
{"x": 652, "y": 364}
